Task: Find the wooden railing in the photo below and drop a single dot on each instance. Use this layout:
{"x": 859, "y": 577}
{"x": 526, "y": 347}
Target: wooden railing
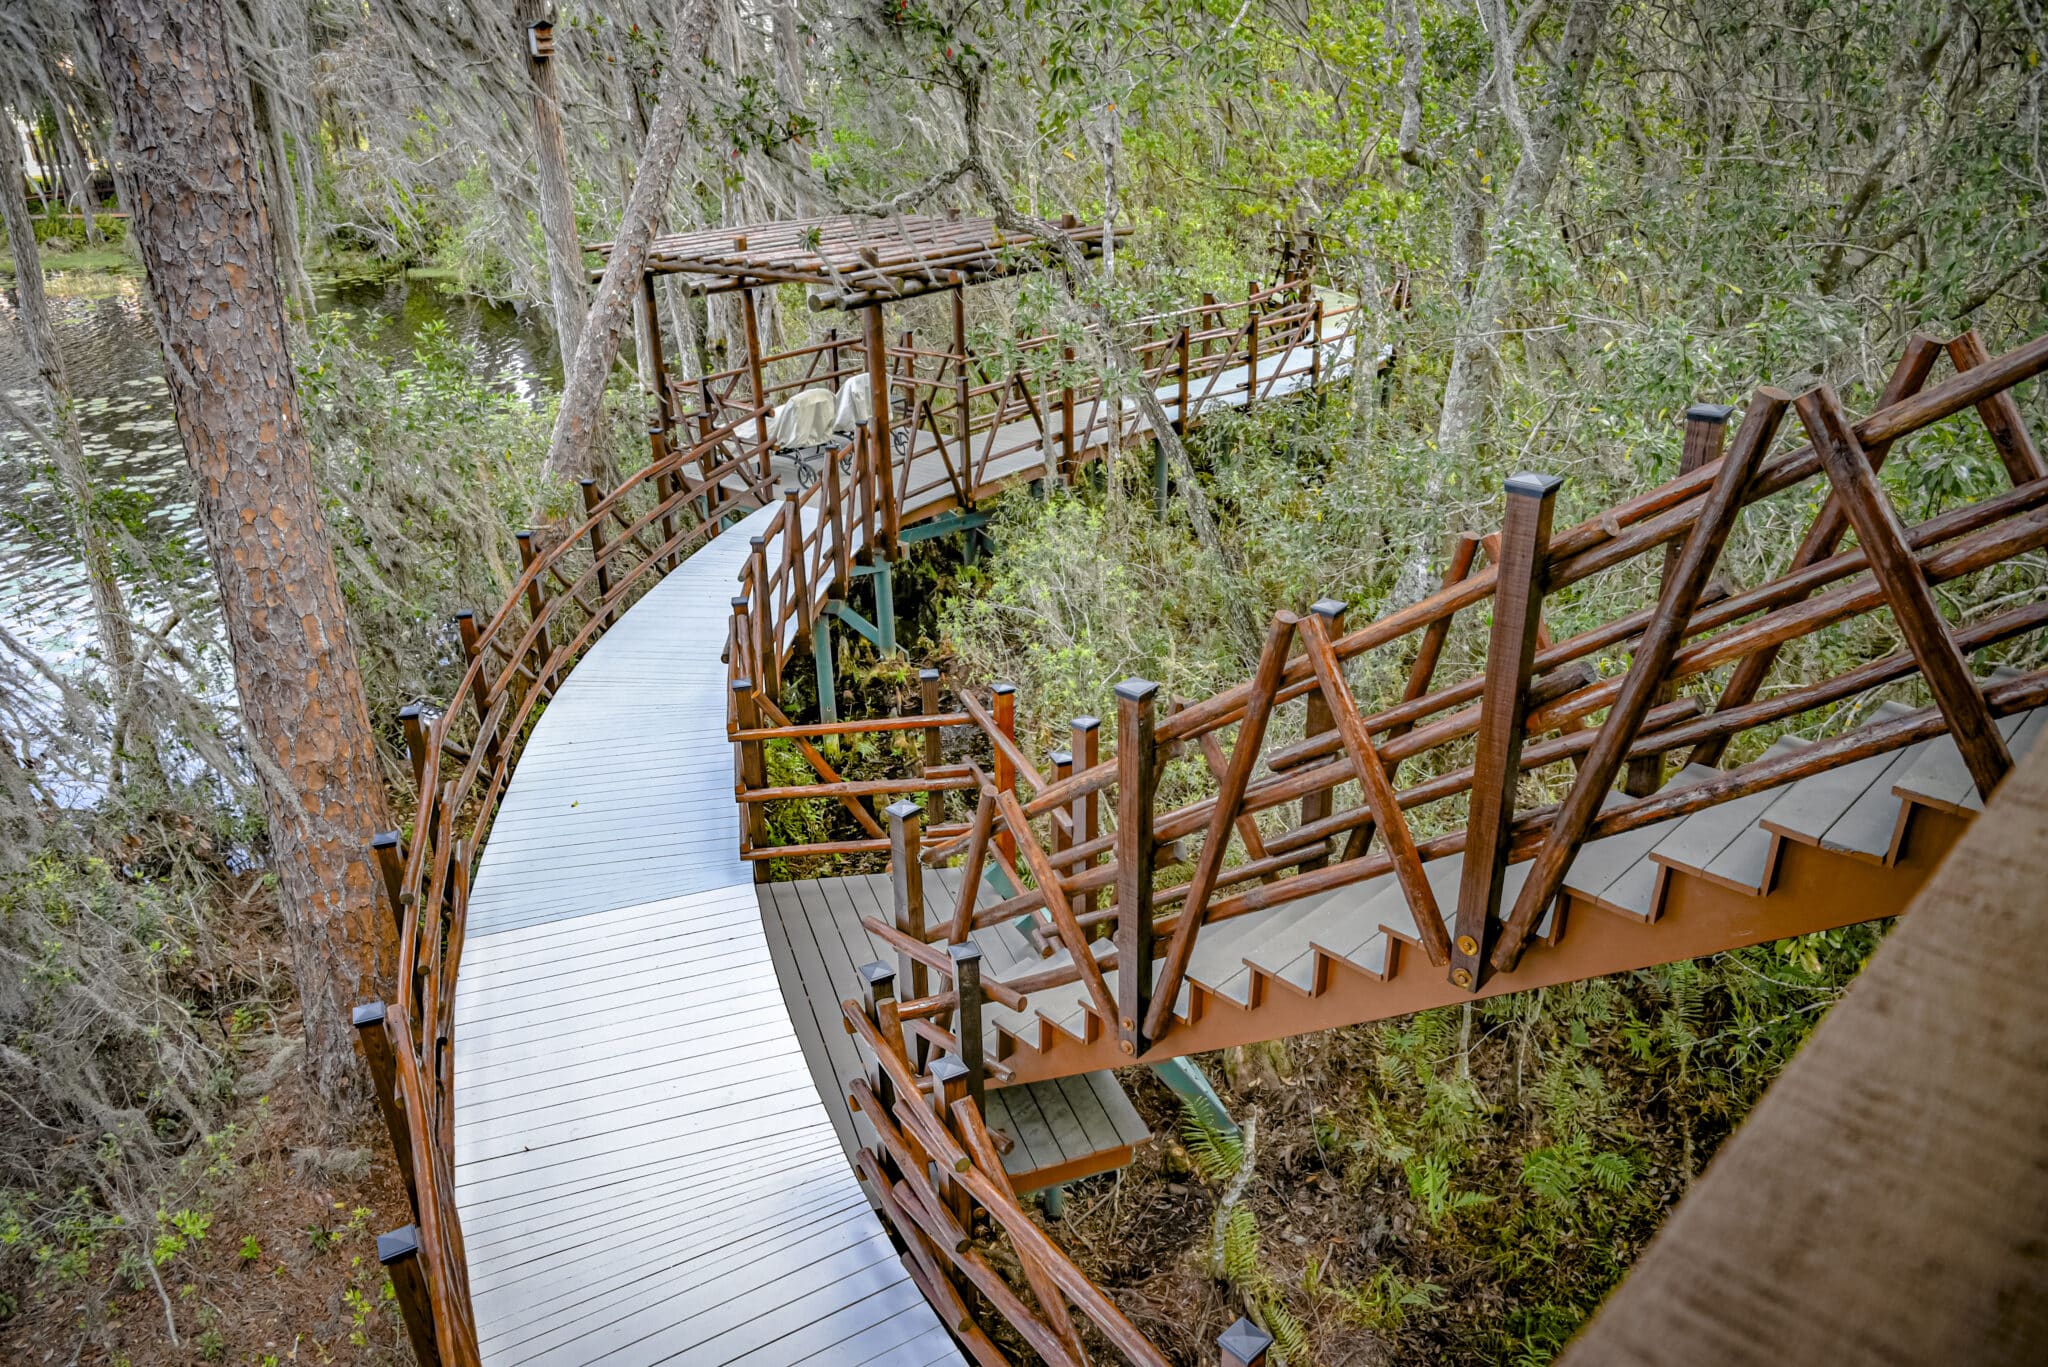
{"x": 937, "y": 1174}
{"x": 1534, "y": 705}
{"x": 573, "y": 585}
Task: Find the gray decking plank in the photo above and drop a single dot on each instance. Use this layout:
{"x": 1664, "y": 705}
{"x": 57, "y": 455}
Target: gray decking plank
{"x": 610, "y": 918}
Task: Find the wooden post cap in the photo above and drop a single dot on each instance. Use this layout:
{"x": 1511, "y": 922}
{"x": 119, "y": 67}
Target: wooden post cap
{"x": 1136, "y": 690}
{"x": 384, "y": 840}
{"x": 759, "y": 542}
{"x": 902, "y": 811}
{"x": 948, "y": 1068}
{"x": 367, "y": 1014}
{"x": 966, "y": 952}
{"x": 880, "y": 978}
{"x": 1001, "y": 688}
{"x": 466, "y": 615}
{"x": 1329, "y": 609}
{"x": 739, "y": 602}
{"x": 1061, "y": 758}
{"x": 1087, "y": 723}
{"x": 1530, "y": 484}
{"x": 398, "y": 1245}
{"x": 1708, "y": 412}
{"x": 927, "y": 674}
{"x": 412, "y": 711}
{"x": 1244, "y": 1344}
{"x": 742, "y": 685}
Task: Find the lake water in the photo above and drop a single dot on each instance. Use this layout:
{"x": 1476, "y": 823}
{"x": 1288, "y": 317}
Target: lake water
{"x": 116, "y": 374}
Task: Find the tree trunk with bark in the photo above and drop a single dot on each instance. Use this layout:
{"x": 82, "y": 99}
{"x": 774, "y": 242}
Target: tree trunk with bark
{"x": 566, "y": 289}
{"x": 197, "y": 214}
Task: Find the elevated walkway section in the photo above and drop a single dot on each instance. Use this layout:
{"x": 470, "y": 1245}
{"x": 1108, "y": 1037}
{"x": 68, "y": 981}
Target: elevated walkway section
{"x": 650, "y": 1169}
{"x": 644, "y": 1171}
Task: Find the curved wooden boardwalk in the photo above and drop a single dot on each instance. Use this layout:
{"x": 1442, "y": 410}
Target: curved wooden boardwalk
{"x": 645, "y": 1173}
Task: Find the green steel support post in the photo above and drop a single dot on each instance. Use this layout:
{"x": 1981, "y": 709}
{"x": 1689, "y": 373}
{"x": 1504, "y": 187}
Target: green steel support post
{"x": 1188, "y": 1082}
{"x": 821, "y": 660}
{"x": 885, "y": 606}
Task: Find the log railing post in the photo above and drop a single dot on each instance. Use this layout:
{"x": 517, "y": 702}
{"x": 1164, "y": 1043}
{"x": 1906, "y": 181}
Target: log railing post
{"x": 1137, "y": 776}
{"x": 399, "y": 1253}
{"x": 753, "y": 772}
{"x": 1070, "y": 458}
{"x": 793, "y": 557}
{"x": 1906, "y": 591}
{"x": 962, "y": 404}
{"x": 767, "y": 648}
{"x": 1820, "y": 541}
{"x": 472, "y": 650}
{"x": 744, "y": 642}
{"x": 878, "y": 1003}
{"x": 592, "y": 496}
{"x": 1210, "y": 315}
{"x": 412, "y": 721}
{"x": 882, "y": 446}
{"x": 1251, "y": 333}
{"x": 1685, "y": 581}
{"x": 1085, "y": 744}
{"x": 966, "y": 959}
{"x": 1180, "y": 412}
{"x": 536, "y": 605}
{"x": 928, "y": 704}
{"x": 1318, "y": 805}
{"x": 835, "y": 509}
{"x": 390, "y": 857}
{"x": 1244, "y": 1344}
{"x": 2001, "y": 414}
{"x": 375, "y": 1038}
{"x": 1003, "y": 710}
{"x": 906, "y": 885}
{"x": 1315, "y": 344}
{"x": 1511, "y": 650}
{"x": 1706, "y": 425}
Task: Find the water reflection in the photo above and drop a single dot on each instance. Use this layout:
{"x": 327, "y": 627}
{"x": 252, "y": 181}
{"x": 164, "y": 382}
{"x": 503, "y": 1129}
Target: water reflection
{"x": 131, "y": 441}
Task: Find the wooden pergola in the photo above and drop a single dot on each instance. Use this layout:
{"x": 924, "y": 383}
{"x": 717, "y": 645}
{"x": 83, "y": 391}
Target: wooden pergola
{"x": 851, "y": 262}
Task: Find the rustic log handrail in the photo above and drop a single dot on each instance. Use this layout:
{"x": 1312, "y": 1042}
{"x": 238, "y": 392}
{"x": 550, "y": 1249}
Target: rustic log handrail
{"x": 1694, "y": 630}
{"x": 573, "y": 584}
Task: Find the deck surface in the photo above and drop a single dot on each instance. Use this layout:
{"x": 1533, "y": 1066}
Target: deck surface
{"x": 645, "y": 1171}
{"x": 1062, "y": 1129}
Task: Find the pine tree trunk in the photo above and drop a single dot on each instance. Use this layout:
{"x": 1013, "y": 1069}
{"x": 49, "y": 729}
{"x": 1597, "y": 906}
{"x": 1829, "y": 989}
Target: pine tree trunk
{"x": 566, "y": 289}
{"x": 197, "y": 214}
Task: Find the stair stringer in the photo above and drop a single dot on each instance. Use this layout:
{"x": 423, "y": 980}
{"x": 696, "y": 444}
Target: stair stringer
{"x": 1812, "y": 889}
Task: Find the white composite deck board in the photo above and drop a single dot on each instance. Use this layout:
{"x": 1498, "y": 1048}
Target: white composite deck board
{"x": 644, "y": 1170}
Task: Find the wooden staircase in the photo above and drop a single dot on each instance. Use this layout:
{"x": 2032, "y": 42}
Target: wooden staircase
{"x": 1847, "y": 845}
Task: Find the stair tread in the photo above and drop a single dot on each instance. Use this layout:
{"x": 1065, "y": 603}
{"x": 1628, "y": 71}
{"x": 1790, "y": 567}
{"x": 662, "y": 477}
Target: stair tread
{"x": 1600, "y": 863}
{"x": 1287, "y": 951}
{"x": 1941, "y": 779}
{"x": 1810, "y": 806}
{"x": 1698, "y": 840}
{"x": 1265, "y": 936}
{"x": 1868, "y": 826}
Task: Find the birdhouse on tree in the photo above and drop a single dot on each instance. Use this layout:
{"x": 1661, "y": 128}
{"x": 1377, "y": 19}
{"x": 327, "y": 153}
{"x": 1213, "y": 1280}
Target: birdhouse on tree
{"x": 540, "y": 39}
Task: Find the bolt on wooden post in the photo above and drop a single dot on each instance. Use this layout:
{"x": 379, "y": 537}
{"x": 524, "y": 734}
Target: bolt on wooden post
{"x": 1503, "y": 708}
{"x": 1137, "y": 775}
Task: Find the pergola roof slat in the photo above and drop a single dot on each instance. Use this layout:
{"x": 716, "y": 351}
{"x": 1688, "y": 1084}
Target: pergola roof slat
{"x": 849, "y": 262}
